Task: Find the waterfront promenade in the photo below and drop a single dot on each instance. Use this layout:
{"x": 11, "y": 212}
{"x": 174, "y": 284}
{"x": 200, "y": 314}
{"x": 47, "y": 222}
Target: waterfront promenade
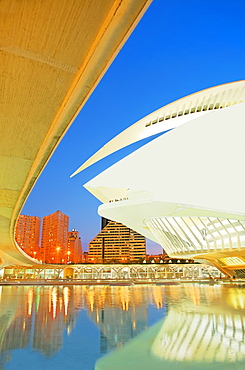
{"x": 100, "y": 273}
{"x": 115, "y": 275}
{"x": 127, "y": 282}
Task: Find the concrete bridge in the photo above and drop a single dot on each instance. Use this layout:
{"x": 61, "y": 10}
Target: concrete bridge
{"x": 53, "y": 54}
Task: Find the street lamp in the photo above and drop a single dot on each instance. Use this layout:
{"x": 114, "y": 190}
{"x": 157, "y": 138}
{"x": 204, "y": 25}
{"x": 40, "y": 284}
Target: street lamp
{"x": 57, "y": 257}
{"x": 68, "y": 256}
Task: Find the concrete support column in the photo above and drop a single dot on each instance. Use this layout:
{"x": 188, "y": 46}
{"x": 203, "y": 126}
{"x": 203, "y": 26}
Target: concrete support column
{"x": 200, "y": 272}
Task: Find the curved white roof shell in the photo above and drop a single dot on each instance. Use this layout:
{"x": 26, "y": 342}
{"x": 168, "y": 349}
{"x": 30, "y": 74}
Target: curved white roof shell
{"x": 195, "y": 170}
{"x": 199, "y": 163}
{"x": 171, "y": 116}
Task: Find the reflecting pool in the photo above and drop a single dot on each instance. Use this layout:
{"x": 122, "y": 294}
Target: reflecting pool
{"x": 187, "y": 326}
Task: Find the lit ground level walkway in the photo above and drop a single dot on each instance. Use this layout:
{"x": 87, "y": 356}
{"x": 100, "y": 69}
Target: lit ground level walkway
{"x": 118, "y": 272}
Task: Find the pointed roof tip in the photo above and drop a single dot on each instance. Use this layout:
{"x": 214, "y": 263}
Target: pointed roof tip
{"x": 89, "y": 162}
{"x": 76, "y": 172}
{"x": 80, "y": 169}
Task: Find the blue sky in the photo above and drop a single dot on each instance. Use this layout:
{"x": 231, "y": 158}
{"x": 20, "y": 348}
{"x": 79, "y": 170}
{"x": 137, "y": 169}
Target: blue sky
{"x": 179, "y": 47}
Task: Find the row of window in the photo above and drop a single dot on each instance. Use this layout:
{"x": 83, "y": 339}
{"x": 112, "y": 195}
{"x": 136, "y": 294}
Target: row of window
{"x": 190, "y": 111}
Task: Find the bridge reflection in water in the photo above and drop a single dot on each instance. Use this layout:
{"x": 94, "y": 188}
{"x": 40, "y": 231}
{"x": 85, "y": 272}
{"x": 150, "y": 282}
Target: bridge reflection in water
{"x": 201, "y": 333}
{"x": 200, "y": 325}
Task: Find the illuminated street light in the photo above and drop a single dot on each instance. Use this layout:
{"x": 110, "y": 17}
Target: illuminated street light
{"x": 57, "y": 256}
{"x": 68, "y": 256}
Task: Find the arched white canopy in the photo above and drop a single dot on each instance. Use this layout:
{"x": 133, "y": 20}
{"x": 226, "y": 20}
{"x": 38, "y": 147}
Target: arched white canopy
{"x": 171, "y": 116}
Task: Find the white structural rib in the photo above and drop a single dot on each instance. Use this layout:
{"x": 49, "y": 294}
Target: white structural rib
{"x": 172, "y": 116}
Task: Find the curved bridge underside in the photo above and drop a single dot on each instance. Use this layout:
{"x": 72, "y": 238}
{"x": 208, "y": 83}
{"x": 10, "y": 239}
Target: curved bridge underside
{"x": 53, "y": 54}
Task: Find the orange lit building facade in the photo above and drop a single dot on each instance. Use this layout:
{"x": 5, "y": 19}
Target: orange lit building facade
{"x": 74, "y": 247}
{"x": 27, "y": 235}
{"x": 54, "y": 238}
{"x": 116, "y": 243}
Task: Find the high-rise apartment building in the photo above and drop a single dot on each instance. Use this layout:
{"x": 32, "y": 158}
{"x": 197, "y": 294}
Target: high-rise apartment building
{"x": 54, "y": 238}
{"x": 27, "y": 234}
{"x": 116, "y": 243}
{"x": 74, "y": 247}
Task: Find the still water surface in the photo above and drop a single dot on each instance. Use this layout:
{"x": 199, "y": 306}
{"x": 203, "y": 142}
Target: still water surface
{"x": 71, "y": 327}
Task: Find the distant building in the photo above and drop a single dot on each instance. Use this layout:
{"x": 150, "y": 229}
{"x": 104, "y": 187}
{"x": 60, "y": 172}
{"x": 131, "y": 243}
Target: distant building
{"x": 27, "y": 234}
{"x": 54, "y": 238}
{"x": 85, "y": 257}
{"x": 156, "y": 257}
{"x": 164, "y": 258}
{"x": 104, "y": 222}
{"x": 116, "y": 243}
{"x": 74, "y": 247}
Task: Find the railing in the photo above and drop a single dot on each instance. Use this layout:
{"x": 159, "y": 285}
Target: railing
{"x": 114, "y": 273}
{"x": 190, "y": 236}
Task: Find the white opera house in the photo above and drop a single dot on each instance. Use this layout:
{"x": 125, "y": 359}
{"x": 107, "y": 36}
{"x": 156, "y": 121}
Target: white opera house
{"x": 185, "y": 188}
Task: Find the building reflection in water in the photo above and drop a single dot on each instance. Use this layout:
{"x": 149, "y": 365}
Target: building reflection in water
{"x": 202, "y": 324}
{"x": 201, "y": 332}
{"x": 38, "y": 317}
{"x": 202, "y": 337}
